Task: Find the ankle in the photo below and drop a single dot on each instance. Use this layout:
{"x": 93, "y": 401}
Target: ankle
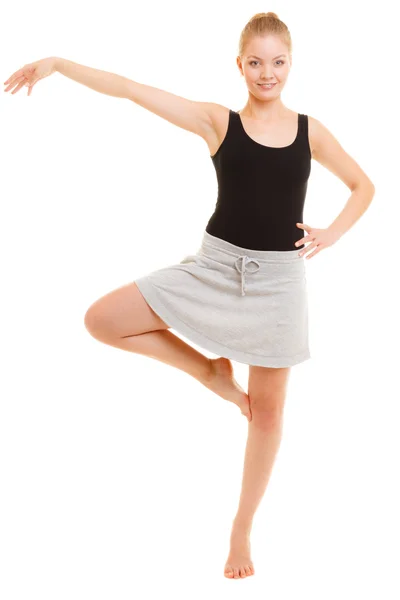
{"x": 241, "y": 524}
{"x": 209, "y": 372}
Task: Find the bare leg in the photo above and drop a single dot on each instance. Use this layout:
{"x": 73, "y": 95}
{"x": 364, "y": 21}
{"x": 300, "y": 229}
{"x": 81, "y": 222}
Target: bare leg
{"x": 123, "y": 319}
{"x": 267, "y": 391}
{"x": 216, "y": 374}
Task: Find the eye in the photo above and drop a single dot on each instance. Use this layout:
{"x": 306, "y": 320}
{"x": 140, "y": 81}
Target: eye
{"x": 278, "y": 61}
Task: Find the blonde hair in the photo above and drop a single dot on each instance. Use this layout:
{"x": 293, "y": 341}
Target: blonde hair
{"x": 263, "y": 24}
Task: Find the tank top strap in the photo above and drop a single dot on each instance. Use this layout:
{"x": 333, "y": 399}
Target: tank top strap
{"x": 234, "y": 130}
{"x": 234, "y": 121}
{"x": 303, "y": 125}
{"x": 303, "y": 133}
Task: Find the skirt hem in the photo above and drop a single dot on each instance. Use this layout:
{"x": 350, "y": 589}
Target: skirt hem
{"x": 150, "y": 295}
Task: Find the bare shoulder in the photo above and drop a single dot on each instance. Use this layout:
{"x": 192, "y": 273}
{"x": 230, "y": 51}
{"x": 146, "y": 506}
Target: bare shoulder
{"x": 319, "y": 137}
{"x": 215, "y": 125}
{"x": 328, "y": 151}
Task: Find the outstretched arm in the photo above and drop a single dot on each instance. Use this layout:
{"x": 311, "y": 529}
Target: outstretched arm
{"x": 187, "y": 114}
{"x": 99, "y": 81}
{"x": 202, "y": 118}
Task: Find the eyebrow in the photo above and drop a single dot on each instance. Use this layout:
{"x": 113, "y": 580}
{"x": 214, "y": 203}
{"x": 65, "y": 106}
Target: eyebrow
{"x": 261, "y": 58}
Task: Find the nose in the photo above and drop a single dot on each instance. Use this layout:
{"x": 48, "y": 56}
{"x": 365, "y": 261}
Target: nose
{"x": 267, "y": 75}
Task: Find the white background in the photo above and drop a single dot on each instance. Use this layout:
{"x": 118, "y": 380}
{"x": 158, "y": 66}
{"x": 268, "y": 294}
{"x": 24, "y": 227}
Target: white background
{"x": 119, "y": 473}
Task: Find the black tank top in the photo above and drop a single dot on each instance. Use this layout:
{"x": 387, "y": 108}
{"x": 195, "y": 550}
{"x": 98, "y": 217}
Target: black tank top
{"x": 261, "y": 189}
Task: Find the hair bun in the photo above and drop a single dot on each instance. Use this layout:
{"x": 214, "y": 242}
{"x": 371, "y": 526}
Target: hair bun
{"x": 271, "y": 15}
{"x": 262, "y": 25}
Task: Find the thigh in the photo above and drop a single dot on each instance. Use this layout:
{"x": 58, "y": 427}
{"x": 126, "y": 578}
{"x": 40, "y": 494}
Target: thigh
{"x": 121, "y": 313}
{"x": 267, "y": 387}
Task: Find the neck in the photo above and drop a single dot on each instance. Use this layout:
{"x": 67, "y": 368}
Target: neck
{"x": 264, "y": 111}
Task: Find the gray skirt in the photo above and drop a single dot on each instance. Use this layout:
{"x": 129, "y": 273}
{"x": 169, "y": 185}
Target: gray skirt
{"x": 247, "y": 305}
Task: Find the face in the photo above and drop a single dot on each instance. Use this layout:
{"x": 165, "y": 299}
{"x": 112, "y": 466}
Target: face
{"x": 262, "y": 63}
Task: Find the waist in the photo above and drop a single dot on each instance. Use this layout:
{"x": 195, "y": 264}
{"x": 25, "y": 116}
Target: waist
{"x": 272, "y": 264}
{"x": 260, "y": 235}
{"x": 216, "y": 244}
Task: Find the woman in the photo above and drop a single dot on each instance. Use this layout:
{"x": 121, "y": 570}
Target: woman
{"x": 243, "y": 294}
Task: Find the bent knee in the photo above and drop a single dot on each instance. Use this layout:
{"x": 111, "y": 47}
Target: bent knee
{"x": 123, "y": 312}
{"x": 96, "y": 323}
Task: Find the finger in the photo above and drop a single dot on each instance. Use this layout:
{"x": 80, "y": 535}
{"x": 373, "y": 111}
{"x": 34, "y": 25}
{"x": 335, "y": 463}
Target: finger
{"x": 307, "y": 249}
{"x": 14, "y": 82}
{"x": 303, "y": 226}
{"x": 16, "y": 75}
{"x": 19, "y": 86}
{"x": 9, "y": 80}
{"x": 318, "y": 249}
{"x": 304, "y": 240}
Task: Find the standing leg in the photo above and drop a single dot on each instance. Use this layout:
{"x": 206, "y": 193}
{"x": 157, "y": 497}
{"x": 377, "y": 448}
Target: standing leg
{"x": 267, "y": 392}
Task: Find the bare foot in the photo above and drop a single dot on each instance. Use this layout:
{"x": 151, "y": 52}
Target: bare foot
{"x": 239, "y": 563}
{"x": 223, "y": 383}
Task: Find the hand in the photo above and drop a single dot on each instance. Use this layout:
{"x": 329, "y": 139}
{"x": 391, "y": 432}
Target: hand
{"x": 30, "y": 74}
{"x": 319, "y": 238}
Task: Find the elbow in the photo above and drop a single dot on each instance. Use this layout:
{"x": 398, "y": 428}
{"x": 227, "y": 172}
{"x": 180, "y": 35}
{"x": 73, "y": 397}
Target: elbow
{"x": 370, "y": 185}
{"x": 367, "y": 189}
{"x": 372, "y": 188}
{"x": 364, "y": 184}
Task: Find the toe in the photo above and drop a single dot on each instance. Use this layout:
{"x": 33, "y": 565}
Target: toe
{"x": 236, "y": 573}
{"x": 248, "y": 570}
{"x": 228, "y": 571}
{"x": 243, "y": 572}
